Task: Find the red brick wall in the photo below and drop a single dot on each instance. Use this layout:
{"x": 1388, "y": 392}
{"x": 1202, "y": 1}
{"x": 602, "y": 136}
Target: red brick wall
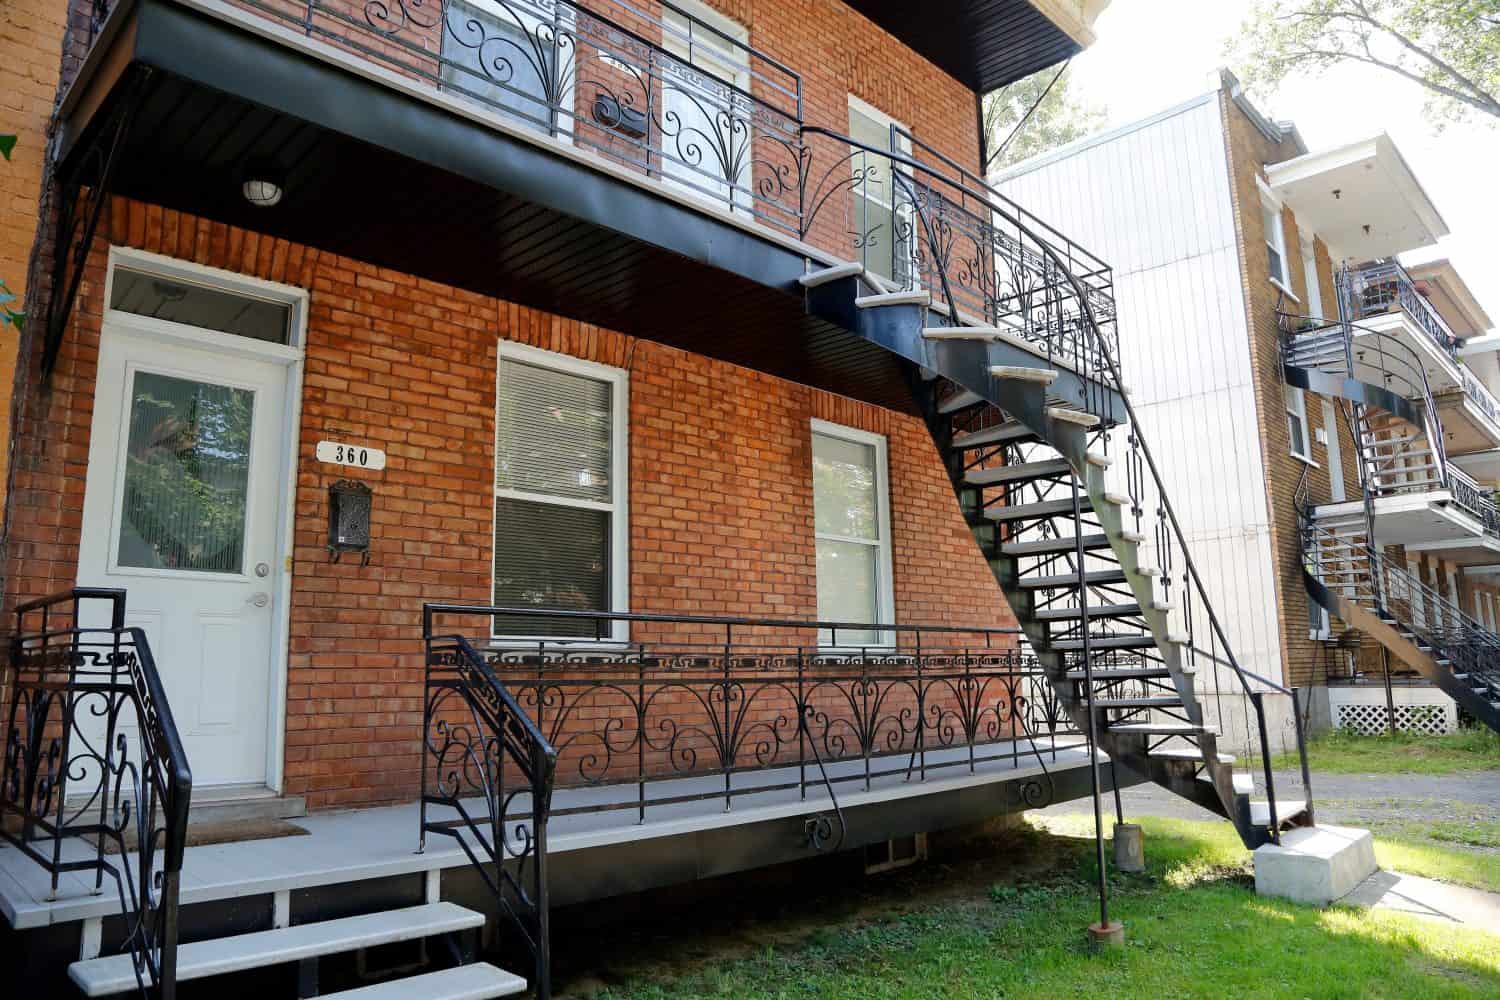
{"x": 720, "y": 464}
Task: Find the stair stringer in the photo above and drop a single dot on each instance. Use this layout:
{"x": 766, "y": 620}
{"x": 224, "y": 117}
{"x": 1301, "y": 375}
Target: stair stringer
{"x": 1356, "y": 616}
{"x": 967, "y": 364}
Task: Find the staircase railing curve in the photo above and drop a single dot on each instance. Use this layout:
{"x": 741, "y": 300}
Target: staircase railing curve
{"x": 95, "y": 778}
{"x": 1069, "y": 309}
{"x": 488, "y": 770}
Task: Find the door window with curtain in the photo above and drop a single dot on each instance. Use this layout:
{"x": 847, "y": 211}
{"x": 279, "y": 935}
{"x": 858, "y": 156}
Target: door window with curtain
{"x": 560, "y": 532}
{"x": 851, "y": 515}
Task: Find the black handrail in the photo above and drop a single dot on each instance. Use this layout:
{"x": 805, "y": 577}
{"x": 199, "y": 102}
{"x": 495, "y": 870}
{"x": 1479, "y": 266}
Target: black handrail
{"x": 474, "y": 735}
{"x": 78, "y": 692}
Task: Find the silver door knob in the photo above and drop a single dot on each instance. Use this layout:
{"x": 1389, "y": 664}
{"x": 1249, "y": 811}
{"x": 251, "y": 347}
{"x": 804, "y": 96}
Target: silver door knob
{"x": 262, "y": 569}
{"x": 260, "y": 599}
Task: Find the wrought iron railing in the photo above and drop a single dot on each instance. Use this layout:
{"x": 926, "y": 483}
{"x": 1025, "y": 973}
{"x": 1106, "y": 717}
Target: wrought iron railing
{"x": 704, "y": 709}
{"x": 1479, "y": 394}
{"x": 1381, "y": 286}
{"x": 95, "y": 778}
{"x": 1474, "y": 498}
{"x": 1350, "y": 568}
{"x": 652, "y": 89}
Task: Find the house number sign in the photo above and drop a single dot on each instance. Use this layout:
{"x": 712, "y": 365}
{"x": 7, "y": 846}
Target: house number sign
{"x": 350, "y": 453}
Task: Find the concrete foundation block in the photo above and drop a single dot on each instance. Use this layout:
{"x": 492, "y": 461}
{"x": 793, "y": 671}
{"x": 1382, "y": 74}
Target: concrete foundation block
{"x": 1110, "y": 935}
{"x": 1315, "y": 864}
{"x": 1130, "y": 847}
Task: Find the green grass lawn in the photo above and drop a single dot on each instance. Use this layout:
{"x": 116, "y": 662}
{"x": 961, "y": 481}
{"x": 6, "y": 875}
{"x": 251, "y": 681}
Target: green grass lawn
{"x": 1194, "y": 927}
{"x": 1341, "y": 753}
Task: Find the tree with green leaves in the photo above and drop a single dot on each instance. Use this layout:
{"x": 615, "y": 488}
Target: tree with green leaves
{"x": 1034, "y": 114}
{"x": 1451, "y": 48}
{"x": 7, "y": 314}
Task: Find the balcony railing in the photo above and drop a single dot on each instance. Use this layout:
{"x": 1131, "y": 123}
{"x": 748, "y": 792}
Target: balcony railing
{"x": 1474, "y": 498}
{"x": 1382, "y": 286}
{"x": 653, "y": 90}
{"x": 1480, "y": 396}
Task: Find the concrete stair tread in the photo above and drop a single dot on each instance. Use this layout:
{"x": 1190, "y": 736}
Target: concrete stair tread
{"x": 1003, "y": 433}
{"x": 478, "y": 981}
{"x": 116, "y": 973}
{"x": 1053, "y": 546}
{"x": 1163, "y": 729}
{"x": 1044, "y": 508}
{"x": 1104, "y": 642}
{"x": 1094, "y": 577}
{"x": 1187, "y": 754}
{"x": 1145, "y": 701}
{"x": 961, "y": 400}
{"x": 1101, "y": 611}
{"x": 1124, "y": 674}
{"x": 893, "y": 299}
{"x": 1018, "y": 473}
{"x": 1260, "y": 810}
{"x": 823, "y": 276}
{"x": 1024, "y": 373}
{"x": 1078, "y": 418}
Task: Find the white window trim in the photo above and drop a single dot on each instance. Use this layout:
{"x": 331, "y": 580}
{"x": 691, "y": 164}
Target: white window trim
{"x": 675, "y": 42}
{"x": 619, "y": 528}
{"x": 1270, "y": 201}
{"x": 885, "y": 563}
{"x": 1296, "y": 407}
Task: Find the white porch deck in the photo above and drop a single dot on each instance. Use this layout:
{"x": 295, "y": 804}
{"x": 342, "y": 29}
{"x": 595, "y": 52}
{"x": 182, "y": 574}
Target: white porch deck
{"x": 351, "y": 846}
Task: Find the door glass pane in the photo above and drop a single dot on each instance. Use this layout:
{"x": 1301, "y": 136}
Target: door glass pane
{"x": 848, "y": 582}
{"x": 554, "y": 557}
{"x": 199, "y": 305}
{"x": 187, "y": 471}
{"x": 845, "y": 502}
{"x": 504, "y": 55}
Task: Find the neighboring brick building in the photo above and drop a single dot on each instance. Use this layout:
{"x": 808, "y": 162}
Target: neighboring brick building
{"x": 1233, "y": 196}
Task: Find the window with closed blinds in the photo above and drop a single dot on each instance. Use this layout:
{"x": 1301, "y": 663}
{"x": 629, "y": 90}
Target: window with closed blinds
{"x": 852, "y": 524}
{"x": 557, "y": 507}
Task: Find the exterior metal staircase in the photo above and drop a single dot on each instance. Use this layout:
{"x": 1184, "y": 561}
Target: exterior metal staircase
{"x": 1393, "y": 420}
{"x": 1024, "y": 401}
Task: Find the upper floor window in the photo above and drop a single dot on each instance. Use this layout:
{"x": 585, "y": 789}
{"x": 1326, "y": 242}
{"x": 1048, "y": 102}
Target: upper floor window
{"x": 1296, "y": 423}
{"x": 560, "y": 497}
{"x": 882, "y": 211}
{"x": 1275, "y": 237}
{"x": 852, "y": 522}
{"x": 706, "y": 122}
{"x": 511, "y": 56}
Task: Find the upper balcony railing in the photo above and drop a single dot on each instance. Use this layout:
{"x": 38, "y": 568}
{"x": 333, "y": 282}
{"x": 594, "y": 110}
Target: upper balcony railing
{"x": 1384, "y": 285}
{"x": 1479, "y": 395}
{"x": 687, "y": 104}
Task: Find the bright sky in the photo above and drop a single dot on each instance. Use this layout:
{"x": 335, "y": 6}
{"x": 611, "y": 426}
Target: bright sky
{"x": 1152, "y": 54}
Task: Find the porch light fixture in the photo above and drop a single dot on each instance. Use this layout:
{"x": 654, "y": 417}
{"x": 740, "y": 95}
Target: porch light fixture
{"x": 262, "y": 186}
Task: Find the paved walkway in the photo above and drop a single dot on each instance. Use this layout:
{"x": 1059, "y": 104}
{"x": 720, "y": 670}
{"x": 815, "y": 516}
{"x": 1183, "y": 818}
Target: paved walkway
{"x": 1422, "y": 897}
{"x": 1345, "y": 799}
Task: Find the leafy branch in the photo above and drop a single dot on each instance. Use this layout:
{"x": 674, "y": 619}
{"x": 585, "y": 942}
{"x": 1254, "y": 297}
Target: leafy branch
{"x": 7, "y": 314}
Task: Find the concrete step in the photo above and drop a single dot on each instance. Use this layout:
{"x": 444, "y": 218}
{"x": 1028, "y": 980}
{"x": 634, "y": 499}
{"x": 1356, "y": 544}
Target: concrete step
{"x": 823, "y": 276}
{"x": 1018, "y": 473}
{"x": 112, "y": 974}
{"x": 1023, "y": 373}
{"x": 1162, "y": 729}
{"x": 1078, "y": 417}
{"x": 479, "y": 981}
{"x": 1045, "y": 508}
{"x": 1286, "y": 809}
{"x": 1073, "y": 614}
{"x": 984, "y": 334}
{"x": 1315, "y": 864}
{"x": 894, "y": 299}
{"x": 1102, "y": 675}
{"x": 1150, "y": 701}
{"x": 1012, "y": 431}
{"x": 1055, "y": 546}
{"x": 1188, "y": 754}
{"x": 1070, "y": 580}
{"x": 1103, "y": 642}
{"x": 960, "y": 400}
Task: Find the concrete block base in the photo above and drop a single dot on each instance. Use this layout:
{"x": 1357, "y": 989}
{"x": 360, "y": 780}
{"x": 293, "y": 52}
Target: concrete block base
{"x": 1130, "y": 847}
{"x": 1315, "y": 864}
{"x": 1110, "y": 935}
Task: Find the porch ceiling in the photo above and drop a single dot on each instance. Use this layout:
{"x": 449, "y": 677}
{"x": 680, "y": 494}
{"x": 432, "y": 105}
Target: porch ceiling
{"x": 984, "y": 44}
{"x": 379, "y": 176}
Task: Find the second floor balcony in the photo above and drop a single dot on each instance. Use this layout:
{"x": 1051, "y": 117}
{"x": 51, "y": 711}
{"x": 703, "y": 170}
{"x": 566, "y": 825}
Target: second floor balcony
{"x": 1389, "y": 305}
{"x": 642, "y": 167}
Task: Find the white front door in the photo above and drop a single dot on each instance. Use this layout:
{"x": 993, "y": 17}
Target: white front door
{"x": 184, "y": 496}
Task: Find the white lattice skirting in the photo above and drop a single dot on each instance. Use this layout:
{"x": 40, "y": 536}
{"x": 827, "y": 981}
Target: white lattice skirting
{"x": 1418, "y": 710}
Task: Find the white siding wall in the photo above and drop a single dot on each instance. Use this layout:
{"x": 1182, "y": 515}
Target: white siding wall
{"x": 1153, "y": 200}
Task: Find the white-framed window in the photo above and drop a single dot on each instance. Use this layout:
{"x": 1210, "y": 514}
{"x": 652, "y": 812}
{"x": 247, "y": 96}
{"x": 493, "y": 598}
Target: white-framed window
{"x": 561, "y": 536}
{"x": 882, "y": 210}
{"x": 852, "y": 524}
{"x": 707, "y": 119}
{"x": 513, "y": 55}
{"x": 1275, "y": 239}
{"x": 1310, "y": 275}
{"x": 1296, "y": 423}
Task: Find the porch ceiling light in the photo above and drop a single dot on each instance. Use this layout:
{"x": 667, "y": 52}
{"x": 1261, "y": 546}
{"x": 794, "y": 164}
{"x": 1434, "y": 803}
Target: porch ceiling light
{"x": 262, "y": 188}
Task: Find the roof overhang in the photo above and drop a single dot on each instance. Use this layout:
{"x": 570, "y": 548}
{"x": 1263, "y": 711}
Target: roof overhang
{"x": 1361, "y": 198}
{"x": 1452, "y": 297}
{"x": 985, "y": 44}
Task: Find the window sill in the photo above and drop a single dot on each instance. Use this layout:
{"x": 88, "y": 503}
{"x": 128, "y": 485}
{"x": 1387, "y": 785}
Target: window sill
{"x": 1285, "y": 290}
{"x": 1306, "y": 460}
